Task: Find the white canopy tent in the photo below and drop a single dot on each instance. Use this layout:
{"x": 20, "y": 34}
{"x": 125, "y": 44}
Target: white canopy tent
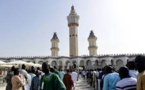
{"x": 33, "y": 64}
{"x": 19, "y": 62}
{"x": 37, "y": 65}
{"x": 2, "y": 62}
{"x": 8, "y": 66}
{"x": 30, "y": 64}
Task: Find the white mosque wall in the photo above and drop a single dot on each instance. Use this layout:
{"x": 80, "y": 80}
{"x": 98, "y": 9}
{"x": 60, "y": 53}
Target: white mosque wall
{"x": 87, "y": 62}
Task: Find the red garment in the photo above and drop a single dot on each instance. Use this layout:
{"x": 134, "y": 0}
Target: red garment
{"x": 67, "y": 80}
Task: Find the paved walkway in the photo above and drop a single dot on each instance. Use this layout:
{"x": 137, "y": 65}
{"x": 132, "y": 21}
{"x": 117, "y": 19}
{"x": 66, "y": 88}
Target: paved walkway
{"x": 2, "y": 86}
{"x": 82, "y": 85}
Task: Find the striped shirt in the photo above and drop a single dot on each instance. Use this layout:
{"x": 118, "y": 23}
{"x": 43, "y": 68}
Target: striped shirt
{"x": 127, "y": 84}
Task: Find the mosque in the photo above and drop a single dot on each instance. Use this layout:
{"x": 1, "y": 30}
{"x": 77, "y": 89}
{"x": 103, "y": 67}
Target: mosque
{"x": 93, "y": 61}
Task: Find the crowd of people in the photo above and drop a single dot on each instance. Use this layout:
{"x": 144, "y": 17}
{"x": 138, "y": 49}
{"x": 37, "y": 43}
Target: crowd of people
{"x": 129, "y": 77}
{"x": 47, "y": 78}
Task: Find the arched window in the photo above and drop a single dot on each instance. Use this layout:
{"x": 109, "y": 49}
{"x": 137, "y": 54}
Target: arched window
{"x": 96, "y": 62}
{"x": 60, "y": 63}
{"x": 112, "y": 62}
{"x": 119, "y": 63}
{"x": 81, "y": 63}
{"x": 40, "y": 62}
{"x": 127, "y": 60}
{"x": 103, "y": 63}
{"x": 89, "y": 63}
{"x": 53, "y": 63}
{"x": 67, "y": 62}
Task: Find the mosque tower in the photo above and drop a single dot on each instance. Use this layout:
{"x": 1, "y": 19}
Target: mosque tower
{"x": 73, "y": 24}
{"x": 92, "y": 44}
{"x": 54, "y": 45}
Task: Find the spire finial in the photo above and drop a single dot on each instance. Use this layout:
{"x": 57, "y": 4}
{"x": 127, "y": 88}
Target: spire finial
{"x": 54, "y": 36}
{"x": 72, "y": 7}
{"x": 72, "y": 10}
{"x": 92, "y": 34}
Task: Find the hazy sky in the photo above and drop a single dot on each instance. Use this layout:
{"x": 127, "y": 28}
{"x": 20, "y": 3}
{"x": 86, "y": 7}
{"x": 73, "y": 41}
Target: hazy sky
{"x": 26, "y": 26}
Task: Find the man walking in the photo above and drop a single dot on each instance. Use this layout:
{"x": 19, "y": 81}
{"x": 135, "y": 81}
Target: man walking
{"x": 67, "y": 80}
{"x": 111, "y": 78}
{"x": 140, "y": 66}
{"x": 50, "y": 81}
{"x": 127, "y": 82}
{"x": 74, "y": 77}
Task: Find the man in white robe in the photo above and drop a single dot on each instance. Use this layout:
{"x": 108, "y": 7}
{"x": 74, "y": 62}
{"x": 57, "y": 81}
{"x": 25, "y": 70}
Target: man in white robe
{"x": 74, "y": 77}
{"x": 25, "y": 77}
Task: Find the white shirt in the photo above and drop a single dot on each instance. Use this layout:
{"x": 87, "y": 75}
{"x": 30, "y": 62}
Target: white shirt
{"x": 97, "y": 73}
{"x": 126, "y": 84}
{"x": 28, "y": 85}
{"x": 26, "y": 75}
{"x": 133, "y": 73}
{"x": 74, "y": 77}
{"x": 83, "y": 72}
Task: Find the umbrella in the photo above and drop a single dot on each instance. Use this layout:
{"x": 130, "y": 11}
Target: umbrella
{"x": 6, "y": 66}
{"x": 37, "y": 65}
{"x": 30, "y": 64}
{"x": 17, "y": 62}
{"x": 1, "y": 62}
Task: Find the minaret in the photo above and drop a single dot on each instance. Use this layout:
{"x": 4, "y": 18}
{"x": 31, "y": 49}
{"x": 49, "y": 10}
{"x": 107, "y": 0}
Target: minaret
{"x": 92, "y": 44}
{"x": 73, "y": 24}
{"x": 54, "y": 45}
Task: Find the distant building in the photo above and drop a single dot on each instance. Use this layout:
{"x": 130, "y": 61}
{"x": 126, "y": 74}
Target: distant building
{"x": 93, "y": 61}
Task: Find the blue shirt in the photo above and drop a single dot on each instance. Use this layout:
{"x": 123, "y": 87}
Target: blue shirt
{"x": 61, "y": 73}
{"x": 110, "y": 81}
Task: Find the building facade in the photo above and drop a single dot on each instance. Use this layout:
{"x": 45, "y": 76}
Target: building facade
{"x": 93, "y": 61}
{"x": 87, "y": 62}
